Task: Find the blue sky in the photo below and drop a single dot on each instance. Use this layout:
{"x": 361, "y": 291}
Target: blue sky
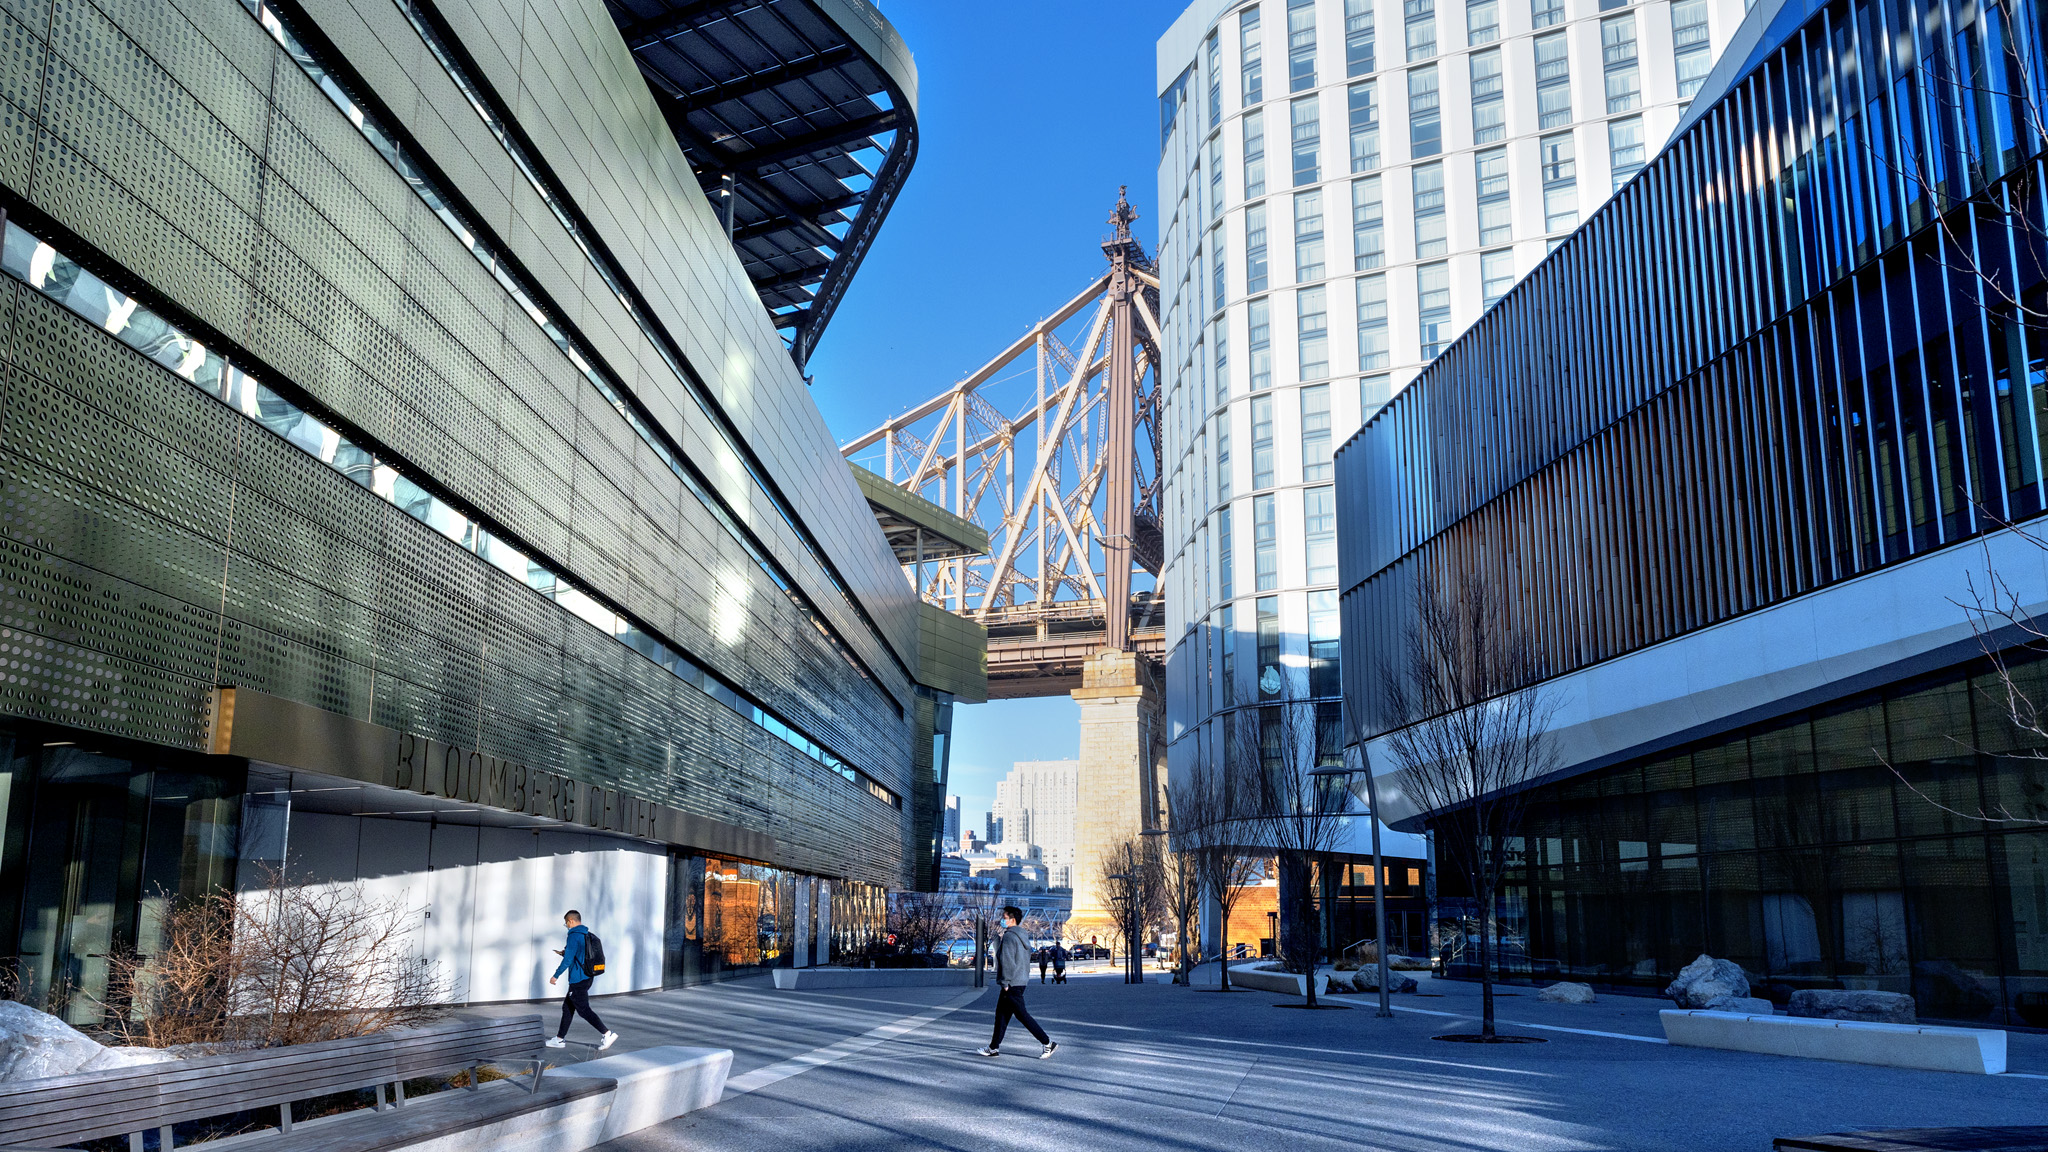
{"x": 1030, "y": 114}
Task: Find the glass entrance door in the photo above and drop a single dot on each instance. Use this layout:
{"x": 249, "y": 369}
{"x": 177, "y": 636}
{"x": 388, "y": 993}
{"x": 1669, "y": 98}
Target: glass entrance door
{"x": 100, "y": 849}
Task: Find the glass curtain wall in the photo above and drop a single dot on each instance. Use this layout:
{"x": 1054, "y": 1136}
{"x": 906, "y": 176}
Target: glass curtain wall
{"x": 1849, "y": 846}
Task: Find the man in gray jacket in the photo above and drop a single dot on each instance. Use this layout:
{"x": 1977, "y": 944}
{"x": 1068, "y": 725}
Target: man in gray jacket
{"x": 1013, "y": 971}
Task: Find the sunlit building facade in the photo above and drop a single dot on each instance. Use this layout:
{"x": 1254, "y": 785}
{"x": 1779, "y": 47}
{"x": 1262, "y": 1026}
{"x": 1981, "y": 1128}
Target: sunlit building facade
{"x": 1741, "y": 462}
{"x": 1345, "y": 185}
{"x": 407, "y": 483}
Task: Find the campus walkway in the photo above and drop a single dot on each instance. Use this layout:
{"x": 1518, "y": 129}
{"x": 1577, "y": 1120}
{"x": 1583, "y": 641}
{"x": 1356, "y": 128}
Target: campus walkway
{"x": 1155, "y": 1067}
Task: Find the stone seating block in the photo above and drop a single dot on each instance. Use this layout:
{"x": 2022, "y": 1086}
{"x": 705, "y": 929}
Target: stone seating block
{"x": 1974, "y": 1050}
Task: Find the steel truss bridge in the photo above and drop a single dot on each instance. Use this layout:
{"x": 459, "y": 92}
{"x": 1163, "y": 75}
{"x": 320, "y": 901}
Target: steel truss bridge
{"x": 1053, "y": 449}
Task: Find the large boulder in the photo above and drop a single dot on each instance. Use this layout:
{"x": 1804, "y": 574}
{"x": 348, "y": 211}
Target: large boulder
{"x": 1706, "y": 979}
{"x": 1400, "y": 963}
{"x": 1566, "y": 992}
{"x": 1853, "y": 1004}
{"x": 1747, "y": 1005}
{"x": 35, "y": 1045}
{"x": 1368, "y": 980}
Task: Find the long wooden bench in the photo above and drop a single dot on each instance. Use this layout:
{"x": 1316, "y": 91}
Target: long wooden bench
{"x": 68, "y": 1109}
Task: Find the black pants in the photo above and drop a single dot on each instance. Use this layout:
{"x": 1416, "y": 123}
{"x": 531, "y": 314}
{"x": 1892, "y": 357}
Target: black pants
{"x": 1041, "y": 973}
{"x": 1010, "y": 1002}
{"x": 578, "y": 1002}
{"x": 1059, "y": 975}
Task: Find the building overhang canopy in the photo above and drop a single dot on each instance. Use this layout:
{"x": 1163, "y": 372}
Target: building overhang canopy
{"x": 917, "y": 528}
{"x": 800, "y": 118}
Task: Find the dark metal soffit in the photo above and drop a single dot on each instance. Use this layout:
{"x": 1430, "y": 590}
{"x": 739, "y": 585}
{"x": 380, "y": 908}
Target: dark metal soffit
{"x": 800, "y": 118}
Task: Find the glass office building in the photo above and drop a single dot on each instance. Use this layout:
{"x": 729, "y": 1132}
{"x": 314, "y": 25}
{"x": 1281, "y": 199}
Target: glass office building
{"x": 1344, "y": 186}
{"x": 408, "y": 478}
{"x": 1735, "y": 457}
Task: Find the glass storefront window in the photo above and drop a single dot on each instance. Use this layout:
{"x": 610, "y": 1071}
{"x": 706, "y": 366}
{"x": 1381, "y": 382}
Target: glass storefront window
{"x": 98, "y": 847}
{"x": 1858, "y": 845}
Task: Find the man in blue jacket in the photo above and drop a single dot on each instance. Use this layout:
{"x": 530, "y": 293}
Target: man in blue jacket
{"x": 578, "y": 999}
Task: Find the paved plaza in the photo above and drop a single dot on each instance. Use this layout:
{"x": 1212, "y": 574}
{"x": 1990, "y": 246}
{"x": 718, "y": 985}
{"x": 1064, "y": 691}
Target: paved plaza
{"x": 1172, "y": 1069}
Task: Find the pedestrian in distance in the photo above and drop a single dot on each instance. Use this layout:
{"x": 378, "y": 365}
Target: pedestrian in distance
{"x": 1059, "y": 963}
{"x": 1013, "y": 972}
{"x": 582, "y": 961}
{"x": 1044, "y": 962}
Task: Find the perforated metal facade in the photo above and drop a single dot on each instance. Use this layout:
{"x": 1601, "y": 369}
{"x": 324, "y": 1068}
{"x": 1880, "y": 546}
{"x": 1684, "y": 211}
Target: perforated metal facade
{"x": 158, "y": 543}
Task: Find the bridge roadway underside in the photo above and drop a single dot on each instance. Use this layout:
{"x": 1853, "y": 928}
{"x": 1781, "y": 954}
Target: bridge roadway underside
{"x": 1029, "y": 666}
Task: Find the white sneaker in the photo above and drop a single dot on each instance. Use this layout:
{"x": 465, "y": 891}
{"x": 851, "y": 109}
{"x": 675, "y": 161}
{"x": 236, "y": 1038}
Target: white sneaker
{"x": 1049, "y": 1050}
{"x": 556, "y": 1042}
{"x": 989, "y": 1052}
{"x": 610, "y": 1038}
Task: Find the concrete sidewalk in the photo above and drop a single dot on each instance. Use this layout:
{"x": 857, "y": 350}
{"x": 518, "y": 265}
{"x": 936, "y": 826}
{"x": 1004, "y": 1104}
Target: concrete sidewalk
{"x": 1156, "y": 1067}
{"x": 762, "y": 1026}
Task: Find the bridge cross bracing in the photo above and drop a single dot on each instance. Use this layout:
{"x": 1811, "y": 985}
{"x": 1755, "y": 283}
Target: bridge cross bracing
{"x": 1053, "y": 448}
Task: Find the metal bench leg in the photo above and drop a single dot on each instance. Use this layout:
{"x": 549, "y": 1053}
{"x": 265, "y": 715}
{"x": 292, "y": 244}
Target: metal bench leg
{"x": 163, "y": 1138}
{"x": 475, "y": 1079}
{"x": 135, "y": 1142}
{"x": 398, "y": 1093}
{"x": 538, "y": 1066}
{"x": 381, "y": 1105}
{"x": 284, "y": 1118}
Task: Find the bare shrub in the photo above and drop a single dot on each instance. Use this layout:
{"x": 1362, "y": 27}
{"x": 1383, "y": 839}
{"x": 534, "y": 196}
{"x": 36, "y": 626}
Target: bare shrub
{"x": 282, "y": 964}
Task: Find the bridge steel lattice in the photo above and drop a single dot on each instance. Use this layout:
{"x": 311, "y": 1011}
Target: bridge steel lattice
{"x": 1053, "y": 448}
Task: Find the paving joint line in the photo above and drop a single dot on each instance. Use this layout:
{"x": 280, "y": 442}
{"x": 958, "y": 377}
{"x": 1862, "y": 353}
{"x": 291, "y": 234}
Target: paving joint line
{"x": 1542, "y": 1027}
{"x": 1238, "y": 1087}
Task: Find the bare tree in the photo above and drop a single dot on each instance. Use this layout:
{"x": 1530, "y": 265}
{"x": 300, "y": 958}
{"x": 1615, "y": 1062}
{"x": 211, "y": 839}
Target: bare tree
{"x": 283, "y": 964}
{"x": 2016, "y": 644}
{"x": 978, "y": 915}
{"x": 1212, "y": 818}
{"x": 1180, "y": 887}
{"x": 1130, "y": 879}
{"x": 1301, "y": 814}
{"x": 921, "y": 921}
{"x": 1469, "y": 725}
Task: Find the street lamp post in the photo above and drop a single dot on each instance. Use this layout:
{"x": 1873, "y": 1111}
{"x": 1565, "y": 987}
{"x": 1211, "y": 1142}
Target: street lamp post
{"x": 1130, "y": 937}
{"x": 1379, "y": 873}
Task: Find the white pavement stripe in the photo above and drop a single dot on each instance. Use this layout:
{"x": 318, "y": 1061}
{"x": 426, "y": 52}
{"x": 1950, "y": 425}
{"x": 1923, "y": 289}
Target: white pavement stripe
{"x": 1543, "y": 1027}
{"x": 775, "y": 1073}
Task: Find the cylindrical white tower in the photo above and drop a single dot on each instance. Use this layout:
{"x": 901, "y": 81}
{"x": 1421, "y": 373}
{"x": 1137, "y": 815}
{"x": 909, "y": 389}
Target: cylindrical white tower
{"x": 1344, "y": 186}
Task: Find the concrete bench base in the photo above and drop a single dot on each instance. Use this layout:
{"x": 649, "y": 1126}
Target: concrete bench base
{"x": 813, "y": 979}
{"x": 1268, "y": 980}
{"x": 655, "y": 1084}
{"x": 1976, "y": 1050}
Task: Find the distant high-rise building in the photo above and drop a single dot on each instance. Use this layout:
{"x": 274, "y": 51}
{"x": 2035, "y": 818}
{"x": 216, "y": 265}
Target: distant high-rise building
{"x": 993, "y": 826}
{"x": 1036, "y": 804}
{"x": 952, "y": 828}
